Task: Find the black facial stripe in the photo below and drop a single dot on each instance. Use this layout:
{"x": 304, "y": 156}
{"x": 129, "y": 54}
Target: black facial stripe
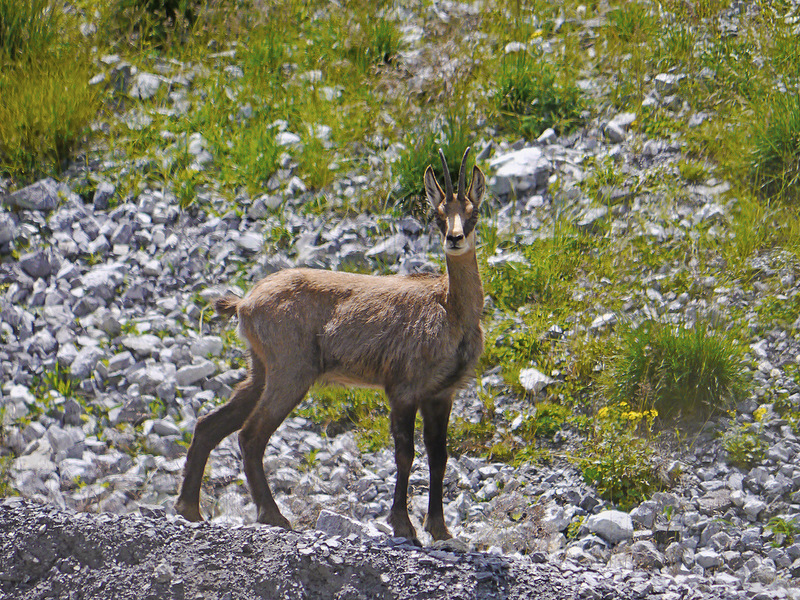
{"x": 470, "y": 223}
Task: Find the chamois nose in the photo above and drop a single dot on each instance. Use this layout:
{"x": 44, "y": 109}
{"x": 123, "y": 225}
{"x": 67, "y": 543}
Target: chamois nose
{"x": 455, "y": 238}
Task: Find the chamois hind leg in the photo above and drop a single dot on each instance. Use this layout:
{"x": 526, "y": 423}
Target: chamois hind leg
{"x": 210, "y": 430}
{"x": 402, "y": 417}
{"x": 280, "y": 396}
{"x": 435, "y": 415}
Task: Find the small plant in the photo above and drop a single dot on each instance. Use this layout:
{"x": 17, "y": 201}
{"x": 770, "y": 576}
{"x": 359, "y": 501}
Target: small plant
{"x": 531, "y": 97}
{"x": 689, "y": 373}
{"x": 376, "y": 42}
{"x": 619, "y": 458}
{"x": 546, "y": 421}
{"x": 691, "y": 171}
{"x": 744, "y": 445}
{"x": 784, "y": 530}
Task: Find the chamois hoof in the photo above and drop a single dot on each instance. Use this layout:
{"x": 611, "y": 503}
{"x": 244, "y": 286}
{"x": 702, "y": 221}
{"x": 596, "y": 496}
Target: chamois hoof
{"x": 276, "y": 520}
{"x": 437, "y": 529}
{"x": 188, "y": 510}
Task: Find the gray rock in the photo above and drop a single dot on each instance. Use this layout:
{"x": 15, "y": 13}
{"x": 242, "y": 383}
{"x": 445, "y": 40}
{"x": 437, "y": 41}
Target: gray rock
{"x": 103, "y": 281}
{"x": 142, "y": 345}
{"x": 335, "y": 524}
{"x": 8, "y": 228}
{"x": 208, "y": 345}
{"x": 145, "y": 86}
{"x": 612, "y": 525}
{"x": 195, "y": 372}
{"x": 66, "y": 354}
{"x": 645, "y": 513}
{"x": 85, "y": 361}
{"x": 708, "y": 559}
{"x": 753, "y": 507}
{"x": 534, "y": 381}
{"x": 390, "y": 250}
{"x": 646, "y": 555}
{"x": 36, "y": 264}
{"x": 102, "y": 194}
{"x": 524, "y": 170}
{"x": 42, "y": 196}
{"x": 251, "y": 242}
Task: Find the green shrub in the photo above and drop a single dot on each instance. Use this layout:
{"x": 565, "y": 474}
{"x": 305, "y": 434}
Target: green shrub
{"x": 532, "y": 99}
{"x": 338, "y": 409}
{"x": 688, "y": 373}
{"x": 546, "y": 421}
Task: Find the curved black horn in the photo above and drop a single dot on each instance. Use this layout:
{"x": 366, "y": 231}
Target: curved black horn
{"x": 448, "y": 183}
{"x": 462, "y": 175}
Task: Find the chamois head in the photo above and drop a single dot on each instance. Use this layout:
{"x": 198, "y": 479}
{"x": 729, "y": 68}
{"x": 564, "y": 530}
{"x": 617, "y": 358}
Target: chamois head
{"x": 456, "y": 214}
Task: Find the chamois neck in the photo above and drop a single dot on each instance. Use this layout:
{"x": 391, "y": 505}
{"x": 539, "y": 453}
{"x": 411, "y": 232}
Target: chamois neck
{"x": 464, "y": 288}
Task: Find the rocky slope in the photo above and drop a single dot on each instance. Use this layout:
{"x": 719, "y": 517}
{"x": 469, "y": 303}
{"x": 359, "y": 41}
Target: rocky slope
{"x": 117, "y": 295}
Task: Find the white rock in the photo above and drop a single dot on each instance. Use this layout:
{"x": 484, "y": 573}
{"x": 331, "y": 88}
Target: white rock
{"x": 145, "y": 86}
{"x": 534, "y": 381}
{"x": 708, "y": 559}
{"x": 525, "y": 169}
{"x": 336, "y": 524}
{"x": 195, "y": 372}
{"x": 285, "y": 138}
{"x": 612, "y": 525}
{"x": 208, "y": 345}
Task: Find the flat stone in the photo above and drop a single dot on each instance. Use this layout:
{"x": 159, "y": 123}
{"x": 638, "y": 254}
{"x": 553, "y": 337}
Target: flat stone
{"x": 142, "y": 345}
{"x": 335, "y": 524}
{"x": 42, "y": 195}
{"x": 193, "y": 373}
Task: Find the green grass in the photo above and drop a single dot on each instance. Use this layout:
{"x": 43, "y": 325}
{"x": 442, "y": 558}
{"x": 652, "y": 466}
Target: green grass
{"x": 532, "y": 96}
{"x": 685, "y": 374}
{"x": 337, "y": 409}
{"x": 775, "y": 154}
{"x": 47, "y": 101}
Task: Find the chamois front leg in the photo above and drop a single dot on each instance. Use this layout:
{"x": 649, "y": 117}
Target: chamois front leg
{"x": 403, "y": 432}
{"x": 435, "y": 415}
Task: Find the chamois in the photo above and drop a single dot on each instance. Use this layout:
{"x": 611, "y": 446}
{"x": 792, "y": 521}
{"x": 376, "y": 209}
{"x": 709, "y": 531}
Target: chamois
{"x": 418, "y": 337}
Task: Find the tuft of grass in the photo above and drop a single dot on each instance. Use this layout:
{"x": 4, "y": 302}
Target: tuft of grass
{"x": 47, "y": 102}
{"x": 532, "y": 99}
{"x": 450, "y": 133}
{"x": 683, "y": 373}
{"x": 28, "y": 28}
{"x": 375, "y": 42}
{"x": 775, "y": 154}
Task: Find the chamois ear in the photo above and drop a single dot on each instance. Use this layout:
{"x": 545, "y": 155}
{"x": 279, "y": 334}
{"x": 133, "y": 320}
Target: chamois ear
{"x": 432, "y": 189}
{"x": 477, "y": 187}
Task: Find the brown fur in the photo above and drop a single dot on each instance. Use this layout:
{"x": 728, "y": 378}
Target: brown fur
{"x": 417, "y": 337}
